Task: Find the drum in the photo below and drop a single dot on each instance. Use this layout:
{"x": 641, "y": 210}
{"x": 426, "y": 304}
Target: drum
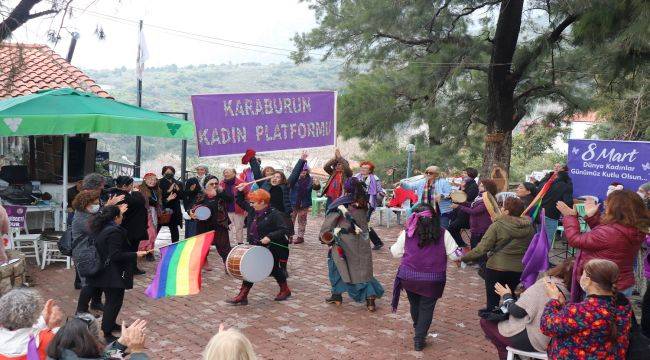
{"x": 491, "y": 205}
{"x": 202, "y": 213}
{"x": 458, "y": 196}
{"x": 12, "y": 273}
{"x": 250, "y": 263}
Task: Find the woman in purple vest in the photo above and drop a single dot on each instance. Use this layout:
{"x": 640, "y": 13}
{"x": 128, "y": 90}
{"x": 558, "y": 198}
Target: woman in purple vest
{"x": 422, "y": 272}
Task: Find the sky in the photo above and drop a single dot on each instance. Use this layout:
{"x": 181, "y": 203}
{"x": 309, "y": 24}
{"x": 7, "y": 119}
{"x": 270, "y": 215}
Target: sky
{"x": 270, "y": 23}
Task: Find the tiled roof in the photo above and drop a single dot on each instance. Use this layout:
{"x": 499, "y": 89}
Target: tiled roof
{"x": 27, "y": 68}
{"x": 588, "y": 117}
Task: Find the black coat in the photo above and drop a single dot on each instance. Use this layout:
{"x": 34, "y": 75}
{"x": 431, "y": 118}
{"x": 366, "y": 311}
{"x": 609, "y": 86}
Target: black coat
{"x": 471, "y": 189}
{"x": 218, "y": 212}
{"x": 135, "y": 218}
{"x": 189, "y": 195}
{"x": 112, "y": 244}
{"x": 175, "y": 205}
{"x": 272, "y": 224}
{"x": 560, "y": 190}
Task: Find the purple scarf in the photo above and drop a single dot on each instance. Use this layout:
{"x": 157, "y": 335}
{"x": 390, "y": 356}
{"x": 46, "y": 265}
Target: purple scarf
{"x": 253, "y": 229}
{"x": 412, "y": 222}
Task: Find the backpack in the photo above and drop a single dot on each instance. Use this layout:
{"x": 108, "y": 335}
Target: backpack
{"x": 87, "y": 259}
{"x": 639, "y": 344}
{"x": 66, "y": 243}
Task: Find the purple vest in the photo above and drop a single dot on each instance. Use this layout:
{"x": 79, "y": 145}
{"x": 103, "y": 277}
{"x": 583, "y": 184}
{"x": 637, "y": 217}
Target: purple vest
{"x": 429, "y": 262}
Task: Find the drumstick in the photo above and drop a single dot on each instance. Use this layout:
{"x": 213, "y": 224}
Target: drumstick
{"x": 258, "y": 180}
{"x": 280, "y": 245}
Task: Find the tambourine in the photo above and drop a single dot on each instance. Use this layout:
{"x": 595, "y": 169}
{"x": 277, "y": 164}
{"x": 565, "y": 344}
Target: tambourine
{"x": 202, "y": 213}
{"x": 491, "y": 205}
{"x": 458, "y": 196}
{"x": 327, "y": 238}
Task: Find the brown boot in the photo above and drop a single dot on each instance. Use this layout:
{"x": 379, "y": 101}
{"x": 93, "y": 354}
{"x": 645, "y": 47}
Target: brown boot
{"x": 299, "y": 240}
{"x": 284, "y": 293}
{"x": 370, "y": 304}
{"x": 242, "y": 298}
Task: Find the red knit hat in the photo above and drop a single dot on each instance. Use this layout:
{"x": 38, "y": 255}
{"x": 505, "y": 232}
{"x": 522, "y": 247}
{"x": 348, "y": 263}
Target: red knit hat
{"x": 250, "y": 153}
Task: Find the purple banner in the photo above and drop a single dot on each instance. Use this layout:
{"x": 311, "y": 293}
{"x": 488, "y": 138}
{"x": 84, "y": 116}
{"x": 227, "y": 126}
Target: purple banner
{"x": 229, "y": 124}
{"x": 595, "y": 164}
{"x": 16, "y": 215}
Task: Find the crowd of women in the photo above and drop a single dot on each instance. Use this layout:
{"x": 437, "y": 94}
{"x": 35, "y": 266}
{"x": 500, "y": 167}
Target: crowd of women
{"x": 579, "y": 307}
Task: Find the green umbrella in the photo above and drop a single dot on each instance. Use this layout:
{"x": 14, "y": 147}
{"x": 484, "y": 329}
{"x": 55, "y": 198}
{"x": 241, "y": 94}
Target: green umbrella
{"x": 68, "y": 111}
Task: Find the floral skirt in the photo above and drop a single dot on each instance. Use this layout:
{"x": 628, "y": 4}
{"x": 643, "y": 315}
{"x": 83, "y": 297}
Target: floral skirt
{"x": 358, "y": 292}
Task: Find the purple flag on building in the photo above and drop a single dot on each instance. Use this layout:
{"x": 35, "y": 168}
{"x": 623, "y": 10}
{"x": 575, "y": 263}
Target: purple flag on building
{"x": 229, "y": 124}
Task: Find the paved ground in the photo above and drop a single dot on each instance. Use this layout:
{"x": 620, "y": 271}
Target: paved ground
{"x": 303, "y": 327}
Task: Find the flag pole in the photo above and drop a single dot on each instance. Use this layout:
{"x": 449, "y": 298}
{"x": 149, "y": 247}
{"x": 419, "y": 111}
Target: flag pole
{"x": 138, "y": 139}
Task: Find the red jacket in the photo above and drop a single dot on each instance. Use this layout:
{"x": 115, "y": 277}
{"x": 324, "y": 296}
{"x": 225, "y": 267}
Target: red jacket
{"x": 614, "y": 242}
{"x": 400, "y": 195}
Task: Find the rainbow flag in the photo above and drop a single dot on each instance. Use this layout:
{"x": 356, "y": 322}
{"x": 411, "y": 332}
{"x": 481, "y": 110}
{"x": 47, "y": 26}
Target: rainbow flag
{"x": 179, "y": 269}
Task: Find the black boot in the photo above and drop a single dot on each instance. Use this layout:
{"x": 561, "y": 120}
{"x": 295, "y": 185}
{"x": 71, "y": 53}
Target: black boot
{"x": 419, "y": 344}
{"x": 374, "y": 238}
{"x": 335, "y": 299}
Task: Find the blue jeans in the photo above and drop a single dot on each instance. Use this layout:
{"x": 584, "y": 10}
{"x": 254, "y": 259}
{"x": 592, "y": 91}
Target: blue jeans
{"x": 551, "y": 229}
{"x": 445, "y": 220}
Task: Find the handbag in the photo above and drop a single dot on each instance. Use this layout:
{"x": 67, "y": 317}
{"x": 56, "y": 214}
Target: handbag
{"x": 494, "y": 315}
{"x": 397, "y": 249}
{"x": 66, "y": 243}
{"x": 165, "y": 217}
{"x": 87, "y": 259}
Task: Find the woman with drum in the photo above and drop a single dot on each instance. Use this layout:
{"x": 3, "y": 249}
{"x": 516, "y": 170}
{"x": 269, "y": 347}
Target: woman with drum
{"x": 172, "y": 189}
{"x": 349, "y": 259}
{"x": 266, "y": 227}
{"x": 479, "y": 218}
{"x": 211, "y": 213}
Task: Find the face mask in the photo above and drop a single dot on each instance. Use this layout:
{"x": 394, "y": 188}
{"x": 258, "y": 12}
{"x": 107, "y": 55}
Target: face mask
{"x": 582, "y": 286}
{"x": 641, "y": 194}
{"x": 169, "y": 176}
{"x": 94, "y": 209}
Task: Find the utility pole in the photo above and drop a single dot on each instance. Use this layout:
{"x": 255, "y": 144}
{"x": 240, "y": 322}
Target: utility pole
{"x": 410, "y": 149}
{"x": 138, "y": 139}
{"x": 73, "y": 44}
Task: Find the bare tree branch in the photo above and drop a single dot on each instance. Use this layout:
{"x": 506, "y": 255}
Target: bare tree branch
{"x": 42, "y": 13}
{"x": 402, "y": 40}
{"x": 553, "y": 37}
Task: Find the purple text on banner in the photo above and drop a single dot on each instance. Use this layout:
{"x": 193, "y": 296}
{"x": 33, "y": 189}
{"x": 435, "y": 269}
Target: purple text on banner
{"x": 595, "y": 164}
{"x": 229, "y": 124}
{"x": 16, "y": 215}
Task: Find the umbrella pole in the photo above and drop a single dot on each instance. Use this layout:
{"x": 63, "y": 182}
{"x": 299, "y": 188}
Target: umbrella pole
{"x": 64, "y": 222}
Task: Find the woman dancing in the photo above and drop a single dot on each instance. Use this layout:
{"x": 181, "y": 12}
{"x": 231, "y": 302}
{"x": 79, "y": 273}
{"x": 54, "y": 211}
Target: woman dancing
{"x": 349, "y": 259}
{"x": 216, "y": 199}
{"x": 266, "y": 227}
{"x": 152, "y": 193}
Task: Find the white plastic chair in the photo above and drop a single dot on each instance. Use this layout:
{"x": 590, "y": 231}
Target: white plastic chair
{"x": 389, "y": 211}
{"x": 533, "y": 355}
{"x": 52, "y": 254}
{"x": 27, "y": 244}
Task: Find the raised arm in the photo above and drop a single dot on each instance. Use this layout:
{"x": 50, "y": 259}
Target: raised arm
{"x": 242, "y": 203}
{"x": 478, "y": 209}
{"x": 255, "y": 167}
{"x": 329, "y": 166}
{"x": 595, "y": 239}
{"x": 295, "y": 173}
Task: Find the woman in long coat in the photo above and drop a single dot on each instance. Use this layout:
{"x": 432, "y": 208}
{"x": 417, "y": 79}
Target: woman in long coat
{"x": 215, "y": 198}
{"x": 349, "y": 259}
{"x": 168, "y": 187}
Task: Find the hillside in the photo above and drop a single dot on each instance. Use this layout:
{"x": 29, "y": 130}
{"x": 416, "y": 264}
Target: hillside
{"x": 169, "y": 89}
